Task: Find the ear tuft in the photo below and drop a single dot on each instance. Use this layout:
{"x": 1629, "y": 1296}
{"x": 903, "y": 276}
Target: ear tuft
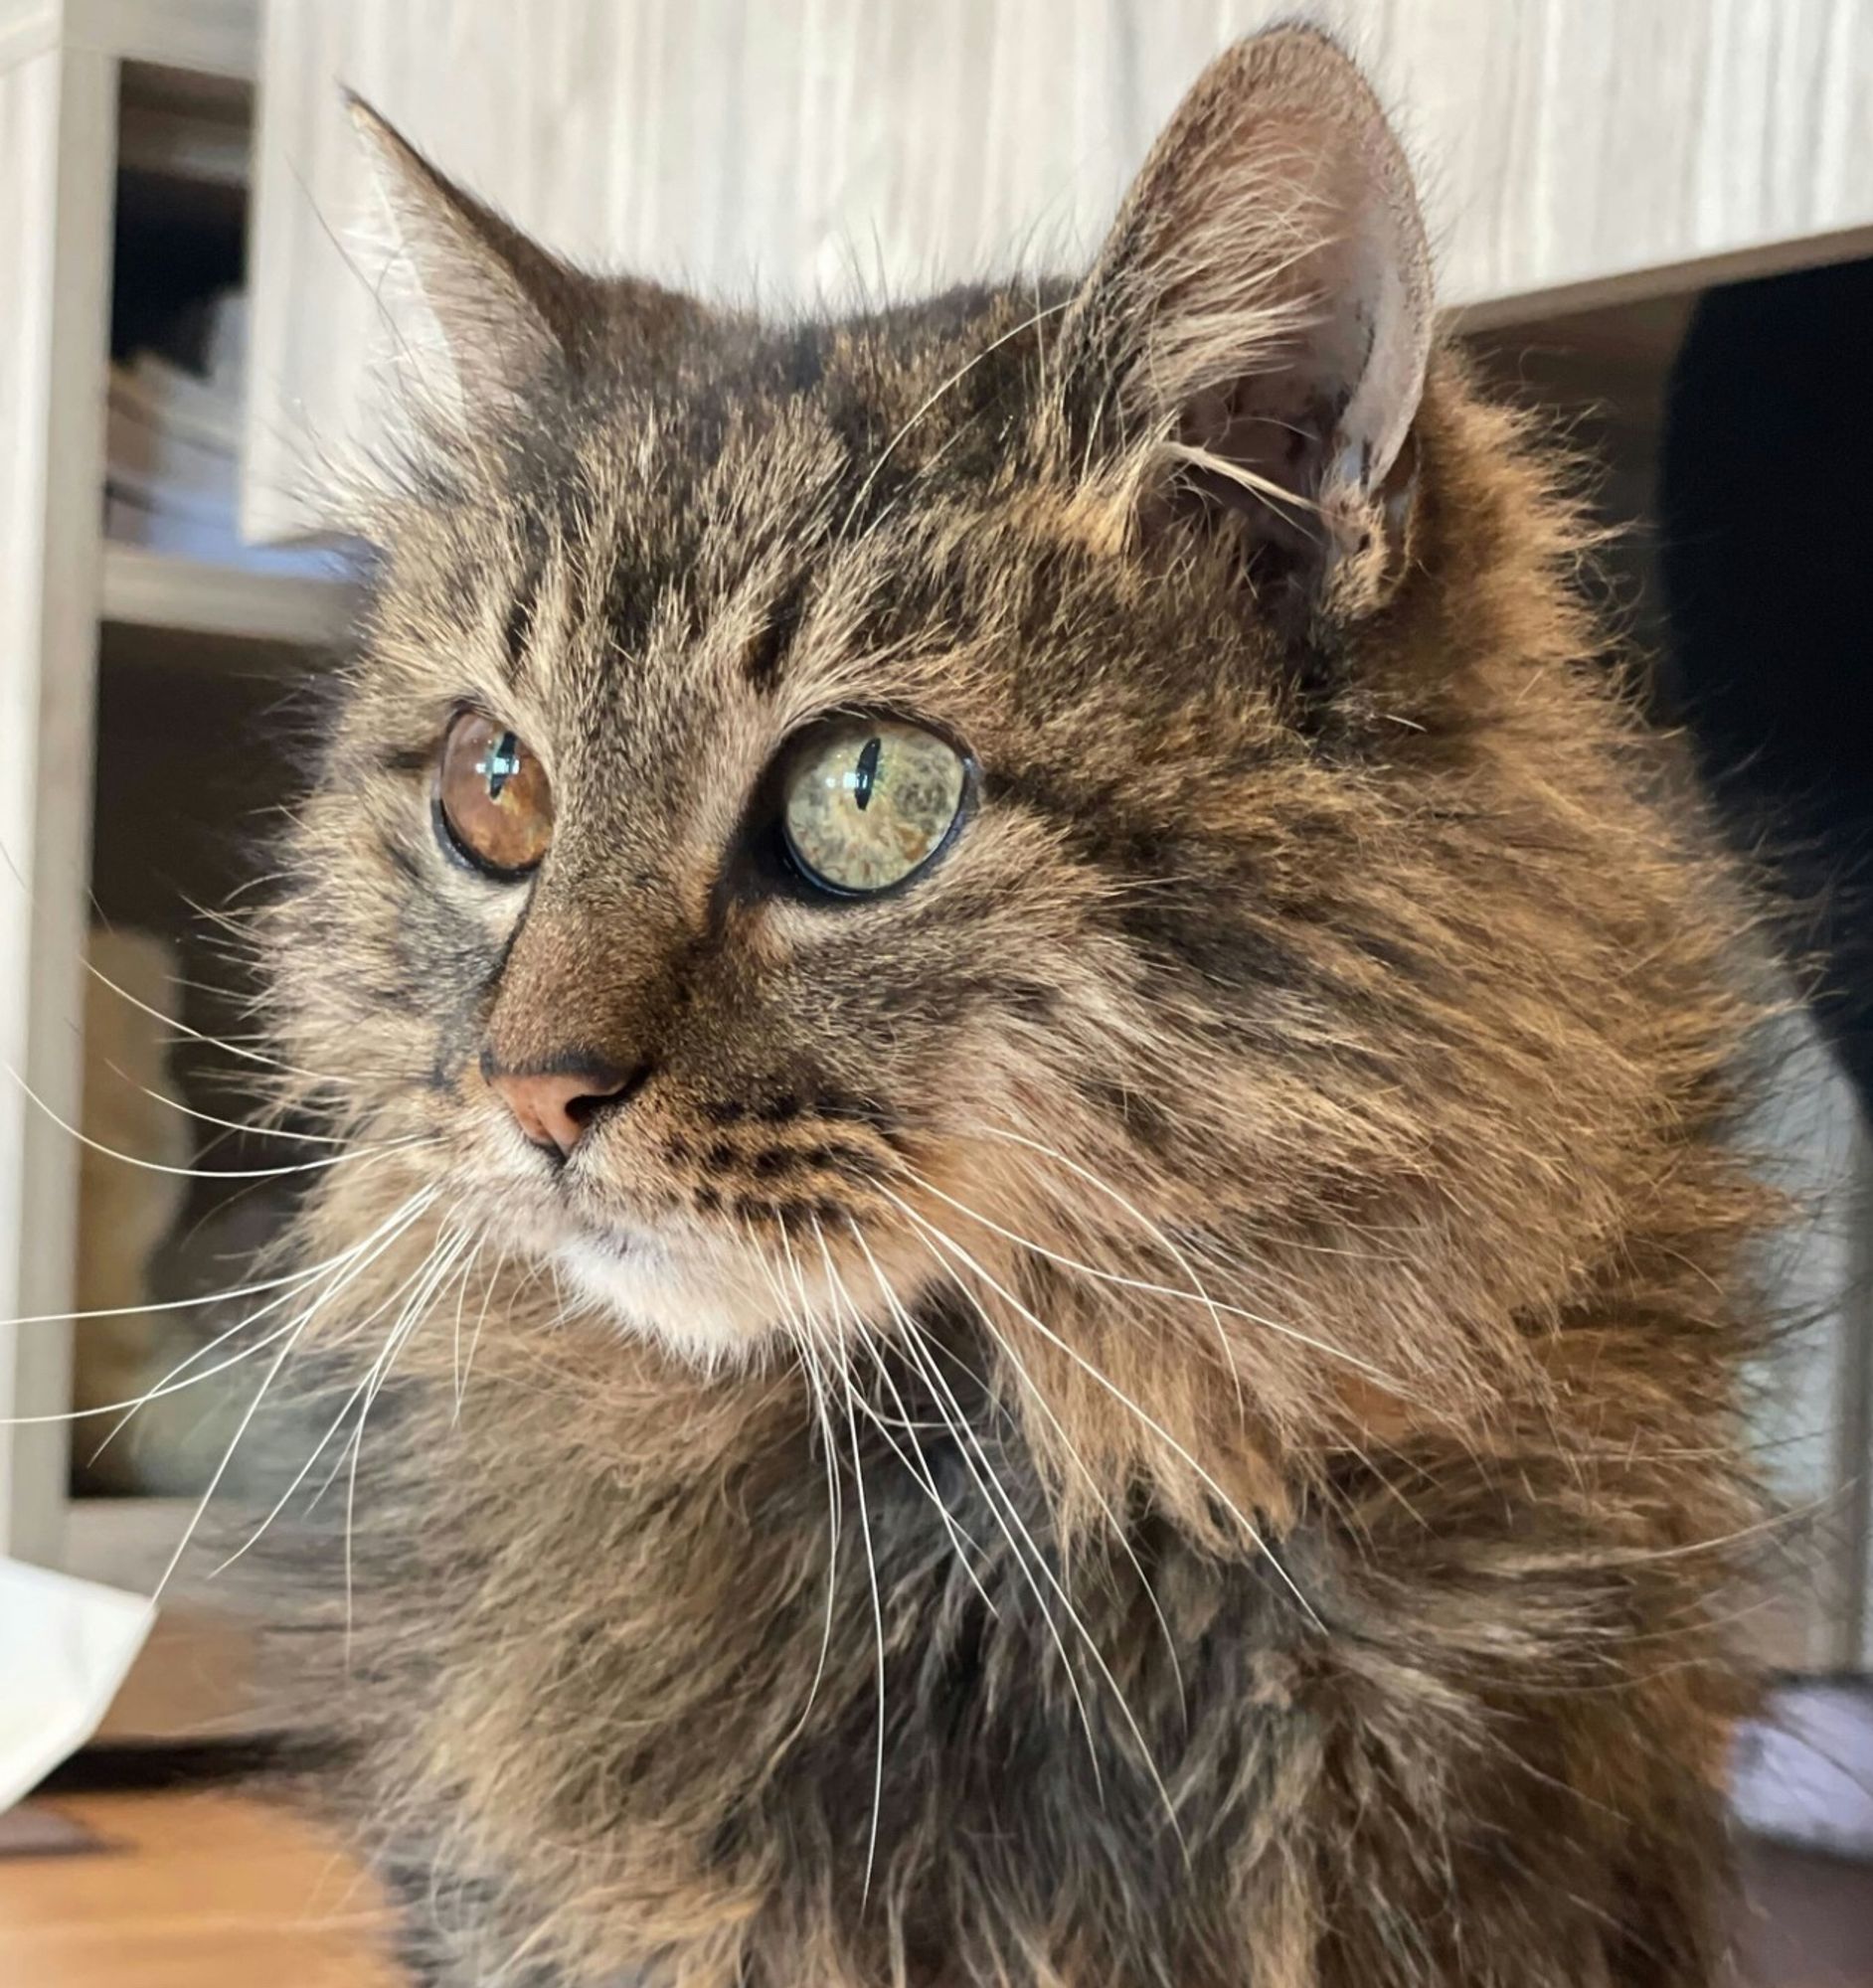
{"x": 500, "y": 308}
{"x": 1257, "y": 328}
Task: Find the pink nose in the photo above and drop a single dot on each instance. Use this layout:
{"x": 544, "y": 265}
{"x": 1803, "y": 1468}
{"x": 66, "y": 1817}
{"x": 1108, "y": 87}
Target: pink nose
{"x": 555, "y": 1107}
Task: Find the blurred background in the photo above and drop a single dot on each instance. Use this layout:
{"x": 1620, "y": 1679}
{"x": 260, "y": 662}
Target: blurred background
{"x": 1654, "y": 220}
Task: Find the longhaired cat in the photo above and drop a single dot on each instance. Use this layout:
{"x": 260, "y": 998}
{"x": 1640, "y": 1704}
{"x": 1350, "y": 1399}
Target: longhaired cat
{"x": 1042, "y": 1281}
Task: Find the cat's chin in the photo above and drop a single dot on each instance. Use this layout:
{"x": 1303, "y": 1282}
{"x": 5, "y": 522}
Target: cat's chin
{"x": 701, "y": 1310}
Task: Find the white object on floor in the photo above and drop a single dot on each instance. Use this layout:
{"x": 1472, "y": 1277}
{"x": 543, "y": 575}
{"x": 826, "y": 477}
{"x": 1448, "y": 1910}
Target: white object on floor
{"x": 1805, "y": 1772}
{"x": 66, "y": 1647}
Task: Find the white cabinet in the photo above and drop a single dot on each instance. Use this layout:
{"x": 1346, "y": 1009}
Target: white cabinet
{"x": 1571, "y": 150}
{"x": 95, "y": 95}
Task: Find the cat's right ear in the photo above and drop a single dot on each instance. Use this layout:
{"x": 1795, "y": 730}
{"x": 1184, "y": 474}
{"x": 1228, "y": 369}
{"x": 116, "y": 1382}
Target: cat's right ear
{"x": 464, "y": 288}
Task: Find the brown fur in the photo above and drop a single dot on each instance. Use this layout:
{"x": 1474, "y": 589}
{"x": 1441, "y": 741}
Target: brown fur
{"x": 1293, "y": 1117}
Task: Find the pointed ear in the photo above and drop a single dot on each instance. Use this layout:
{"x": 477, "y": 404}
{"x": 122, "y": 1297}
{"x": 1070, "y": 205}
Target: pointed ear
{"x": 501, "y": 309}
{"x": 1257, "y": 328}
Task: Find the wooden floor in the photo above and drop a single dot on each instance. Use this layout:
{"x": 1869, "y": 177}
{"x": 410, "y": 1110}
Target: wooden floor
{"x": 210, "y": 1890}
{"x": 193, "y": 1891}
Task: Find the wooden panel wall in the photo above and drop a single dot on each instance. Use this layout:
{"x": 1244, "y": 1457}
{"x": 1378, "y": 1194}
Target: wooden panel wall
{"x": 799, "y": 149}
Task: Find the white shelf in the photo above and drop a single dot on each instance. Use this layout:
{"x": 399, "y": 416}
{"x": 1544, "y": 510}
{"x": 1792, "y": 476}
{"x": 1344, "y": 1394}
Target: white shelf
{"x": 147, "y": 589}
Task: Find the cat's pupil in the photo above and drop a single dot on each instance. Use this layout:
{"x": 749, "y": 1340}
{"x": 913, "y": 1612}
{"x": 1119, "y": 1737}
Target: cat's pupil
{"x": 865, "y": 775}
{"x": 503, "y": 765}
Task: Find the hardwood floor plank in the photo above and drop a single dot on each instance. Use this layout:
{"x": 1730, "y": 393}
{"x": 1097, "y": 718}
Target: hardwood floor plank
{"x": 195, "y": 1890}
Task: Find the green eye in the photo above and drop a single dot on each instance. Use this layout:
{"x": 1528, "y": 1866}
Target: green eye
{"x": 868, "y": 801}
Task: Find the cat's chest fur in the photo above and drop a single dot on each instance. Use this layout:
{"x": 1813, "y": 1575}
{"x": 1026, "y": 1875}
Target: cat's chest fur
{"x": 861, "y": 1654}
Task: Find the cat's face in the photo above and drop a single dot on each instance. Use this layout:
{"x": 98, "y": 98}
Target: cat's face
{"x": 980, "y": 791}
{"x": 755, "y": 837}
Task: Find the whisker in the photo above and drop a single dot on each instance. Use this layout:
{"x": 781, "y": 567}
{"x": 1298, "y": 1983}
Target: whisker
{"x": 221, "y": 1471}
{"x": 462, "y": 1298}
{"x": 397, "y": 1301}
{"x": 1124, "y": 1703}
{"x": 1113, "y": 1524}
{"x": 970, "y": 1449}
{"x": 878, "y": 1625}
{"x": 168, "y": 1386}
{"x": 228, "y": 1456}
{"x": 318, "y": 1449}
{"x": 229, "y": 1045}
{"x": 1157, "y": 1234}
{"x": 447, "y": 1249}
{"x": 429, "y": 1277}
{"x": 821, "y": 1407}
{"x": 487, "y": 1297}
{"x": 359, "y": 1154}
{"x": 919, "y": 1471}
{"x": 258, "y": 1127}
{"x": 930, "y": 400}
{"x": 1251, "y": 1530}
{"x": 1216, "y": 1306}
{"x": 176, "y": 1304}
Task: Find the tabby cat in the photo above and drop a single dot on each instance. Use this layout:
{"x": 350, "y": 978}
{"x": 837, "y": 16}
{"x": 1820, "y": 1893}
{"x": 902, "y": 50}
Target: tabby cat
{"x": 1039, "y": 1276}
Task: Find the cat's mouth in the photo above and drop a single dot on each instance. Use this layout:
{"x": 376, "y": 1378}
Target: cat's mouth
{"x": 742, "y": 1243}
{"x": 714, "y": 1294}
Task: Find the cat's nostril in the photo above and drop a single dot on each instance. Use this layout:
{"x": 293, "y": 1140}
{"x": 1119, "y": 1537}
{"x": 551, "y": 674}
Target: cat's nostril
{"x": 555, "y": 1108}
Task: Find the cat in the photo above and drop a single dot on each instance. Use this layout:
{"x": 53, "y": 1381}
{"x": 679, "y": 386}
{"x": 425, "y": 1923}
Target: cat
{"x": 1041, "y": 1272}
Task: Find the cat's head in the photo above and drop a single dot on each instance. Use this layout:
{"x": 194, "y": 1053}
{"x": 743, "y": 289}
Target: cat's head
{"x": 1080, "y": 795}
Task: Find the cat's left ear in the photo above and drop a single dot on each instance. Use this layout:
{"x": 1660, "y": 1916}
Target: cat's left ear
{"x": 462, "y": 284}
{"x": 1252, "y": 339}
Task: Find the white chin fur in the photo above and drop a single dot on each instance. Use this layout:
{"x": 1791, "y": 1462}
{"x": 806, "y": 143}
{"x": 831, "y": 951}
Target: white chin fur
{"x": 700, "y": 1312}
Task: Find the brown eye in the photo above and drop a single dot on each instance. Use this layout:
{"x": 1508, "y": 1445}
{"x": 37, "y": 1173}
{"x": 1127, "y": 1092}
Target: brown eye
{"x": 494, "y": 797}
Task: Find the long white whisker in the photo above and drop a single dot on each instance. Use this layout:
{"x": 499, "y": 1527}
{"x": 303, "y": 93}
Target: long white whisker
{"x": 448, "y": 1250}
{"x": 221, "y": 1470}
{"x": 995, "y": 1496}
{"x": 1216, "y": 1306}
{"x": 1251, "y": 1530}
{"x": 357, "y": 1154}
{"x": 819, "y": 1398}
{"x": 397, "y": 1301}
{"x": 461, "y": 1299}
{"x": 1157, "y": 1232}
{"x": 1093, "y": 1649}
{"x": 487, "y": 1297}
{"x": 306, "y": 1469}
{"x": 1027, "y": 1552}
{"x": 258, "y": 1127}
{"x": 878, "y": 1625}
{"x": 919, "y": 1471}
{"x": 1114, "y": 1523}
{"x": 170, "y": 1384}
{"x": 218, "y": 1042}
{"x": 234, "y": 1441}
{"x": 301, "y": 1277}
{"x": 930, "y": 400}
